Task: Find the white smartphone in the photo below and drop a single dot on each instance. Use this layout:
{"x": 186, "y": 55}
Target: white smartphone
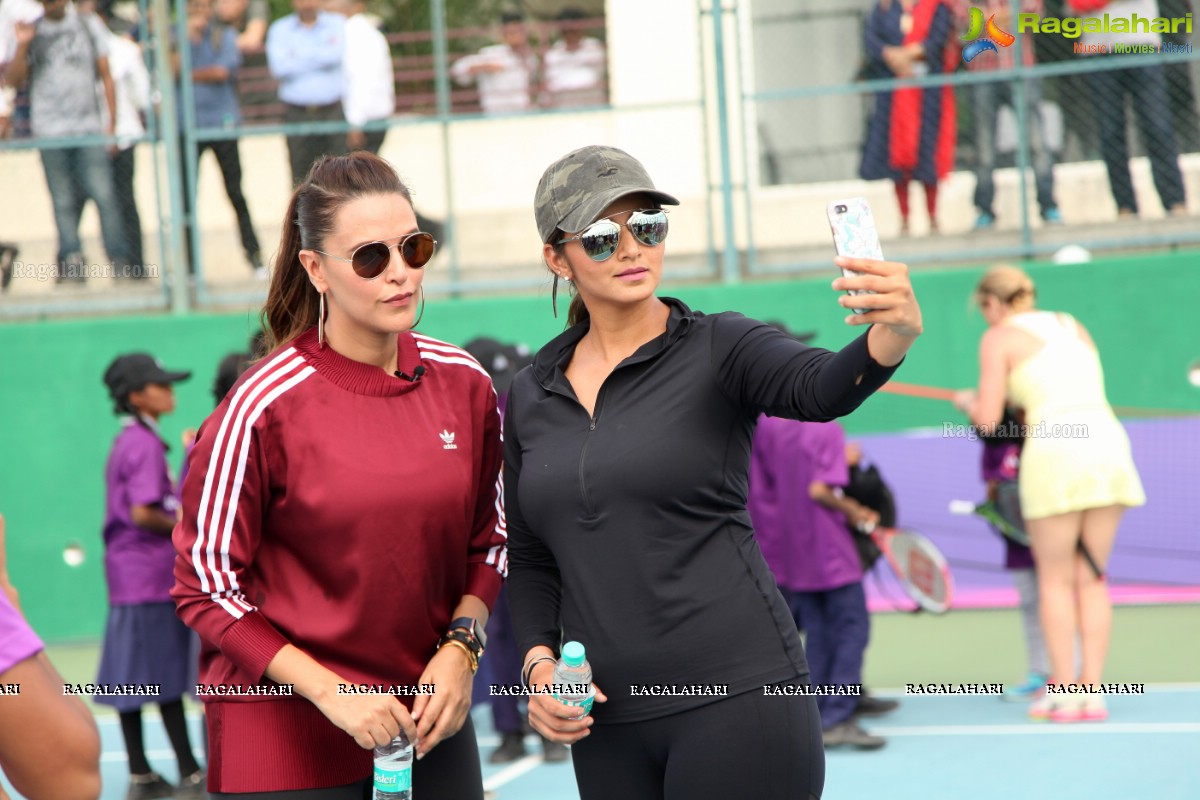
{"x": 854, "y": 235}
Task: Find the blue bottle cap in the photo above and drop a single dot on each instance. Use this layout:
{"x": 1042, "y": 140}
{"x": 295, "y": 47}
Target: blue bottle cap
{"x": 573, "y": 654}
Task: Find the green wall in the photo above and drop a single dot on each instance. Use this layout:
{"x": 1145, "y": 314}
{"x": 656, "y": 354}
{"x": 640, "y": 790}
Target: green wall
{"x": 56, "y": 423}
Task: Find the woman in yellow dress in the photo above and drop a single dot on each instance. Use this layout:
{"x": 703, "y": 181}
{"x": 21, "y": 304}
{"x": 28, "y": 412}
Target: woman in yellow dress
{"x": 1076, "y": 479}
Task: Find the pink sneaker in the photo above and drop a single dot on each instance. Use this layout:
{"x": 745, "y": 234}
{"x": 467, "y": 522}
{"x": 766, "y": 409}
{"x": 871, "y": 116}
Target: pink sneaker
{"x": 1067, "y": 708}
{"x": 1093, "y": 709}
{"x": 1057, "y": 707}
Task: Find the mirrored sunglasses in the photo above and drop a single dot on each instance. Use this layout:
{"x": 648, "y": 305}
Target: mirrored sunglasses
{"x": 599, "y": 240}
{"x": 371, "y": 259}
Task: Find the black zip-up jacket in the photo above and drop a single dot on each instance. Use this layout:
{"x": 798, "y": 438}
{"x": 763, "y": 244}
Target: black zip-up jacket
{"x": 628, "y": 530}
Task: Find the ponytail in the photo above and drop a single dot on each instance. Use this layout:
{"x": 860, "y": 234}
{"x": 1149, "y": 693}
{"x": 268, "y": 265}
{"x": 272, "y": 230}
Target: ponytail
{"x": 578, "y": 311}
{"x": 292, "y": 302}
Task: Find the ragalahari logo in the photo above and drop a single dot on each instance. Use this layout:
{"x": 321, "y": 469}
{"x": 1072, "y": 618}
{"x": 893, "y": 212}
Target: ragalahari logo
{"x": 976, "y": 29}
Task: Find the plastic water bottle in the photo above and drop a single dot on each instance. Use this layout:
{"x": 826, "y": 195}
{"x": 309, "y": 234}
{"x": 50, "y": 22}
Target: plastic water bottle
{"x": 393, "y": 770}
{"x": 573, "y": 678}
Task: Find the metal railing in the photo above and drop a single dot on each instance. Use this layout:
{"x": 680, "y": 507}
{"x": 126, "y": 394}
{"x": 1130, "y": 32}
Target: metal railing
{"x": 776, "y": 134}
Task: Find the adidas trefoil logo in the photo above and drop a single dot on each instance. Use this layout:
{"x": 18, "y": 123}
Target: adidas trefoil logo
{"x": 448, "y": 438}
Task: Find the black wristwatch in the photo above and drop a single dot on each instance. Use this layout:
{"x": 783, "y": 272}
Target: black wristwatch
{"x": 469, "y": 632}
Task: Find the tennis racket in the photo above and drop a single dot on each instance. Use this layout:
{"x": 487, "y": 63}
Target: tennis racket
{"x": 940, "y": 393}
{"x": 989, "y": 512}
{"x": 992, "y": 514}
{"x": 918, "y": 563}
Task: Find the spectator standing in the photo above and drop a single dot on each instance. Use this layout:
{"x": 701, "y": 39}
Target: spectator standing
{"x": 132, "y": 82}
{"x": 911, "y": 132}
{"x": 1181, "y": 93}
{"x": 368, "y": 80}
{"x": 305, "y": 51}
{"x": 62, "y": 57}
{"x": 250, "y": 18}
{"x": 987, "y": 98}
{"x": 12, "y": 12}
{"x": 1112, "y": 90}
{"x": 505, "y": 73}
{"x": 215, "y": 62}
{"x": 573, "y": 67}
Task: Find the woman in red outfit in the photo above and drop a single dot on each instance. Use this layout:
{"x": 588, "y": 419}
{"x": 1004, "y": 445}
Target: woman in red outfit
{"x": 911, "y": 132}
{"x": 342, "y": 519}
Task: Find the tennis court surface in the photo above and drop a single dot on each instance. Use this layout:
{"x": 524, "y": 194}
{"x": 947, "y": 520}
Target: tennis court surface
{"x": 939, "y": 747}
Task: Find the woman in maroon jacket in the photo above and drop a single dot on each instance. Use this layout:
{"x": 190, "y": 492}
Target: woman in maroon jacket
{"x": 342, "y": 517}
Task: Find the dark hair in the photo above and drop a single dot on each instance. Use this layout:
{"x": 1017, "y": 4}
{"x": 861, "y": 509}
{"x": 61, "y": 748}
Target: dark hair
{"x": 123, "y": 405}
{"x": 571, "y": 14}
{"x": 228, "y": 371}
{"x": 578, "y": 312}
{"x": 258, "y": 345}
{"x": 509, "y": 17}
{"x": 333, "y": 181}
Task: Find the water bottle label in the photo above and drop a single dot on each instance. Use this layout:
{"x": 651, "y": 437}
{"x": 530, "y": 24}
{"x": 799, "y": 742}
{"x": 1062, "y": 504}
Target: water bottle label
{"x": 393, "y": 781}
{"x": 586, "y": 703}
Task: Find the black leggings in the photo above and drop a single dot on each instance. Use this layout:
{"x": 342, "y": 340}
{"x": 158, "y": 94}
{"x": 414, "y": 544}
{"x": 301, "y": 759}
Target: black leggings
{"x": 751, "y": 745}
{"x": 451, "y": 771}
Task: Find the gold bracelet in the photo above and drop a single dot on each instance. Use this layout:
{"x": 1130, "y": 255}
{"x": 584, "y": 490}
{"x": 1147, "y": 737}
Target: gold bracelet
{"x": 470, "y": 656}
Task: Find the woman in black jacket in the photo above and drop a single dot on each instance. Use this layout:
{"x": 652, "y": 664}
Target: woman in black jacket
{"x": 627, "y": 447}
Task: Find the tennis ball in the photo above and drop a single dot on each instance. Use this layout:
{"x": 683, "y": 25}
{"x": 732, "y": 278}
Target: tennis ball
{"x": 73, "y": 555}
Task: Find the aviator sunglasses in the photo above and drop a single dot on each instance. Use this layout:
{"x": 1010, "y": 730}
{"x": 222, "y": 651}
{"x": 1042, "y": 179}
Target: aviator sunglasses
{"x": 371, "y": 259}
{"x": 599, "y": 240}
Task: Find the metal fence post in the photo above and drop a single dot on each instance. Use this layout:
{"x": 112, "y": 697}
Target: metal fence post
{"x": 729, "y": 260}
{"x": 442, "y": 87}
{"x": 175, "y": 272}
{"x": 1024, "y": 164}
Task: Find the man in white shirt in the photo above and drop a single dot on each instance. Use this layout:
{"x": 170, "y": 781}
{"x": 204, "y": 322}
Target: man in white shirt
{"x": 14, "y": 118}
{"x": 132, "y": 81}
{"x": 574, "y": 65}
{"x": 369, "y": 84}
{"x": 505, "y": 73}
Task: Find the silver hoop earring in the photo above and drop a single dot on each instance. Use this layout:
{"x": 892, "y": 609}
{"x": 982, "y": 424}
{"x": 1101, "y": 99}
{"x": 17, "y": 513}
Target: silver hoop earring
{"x": 321, "y": 320}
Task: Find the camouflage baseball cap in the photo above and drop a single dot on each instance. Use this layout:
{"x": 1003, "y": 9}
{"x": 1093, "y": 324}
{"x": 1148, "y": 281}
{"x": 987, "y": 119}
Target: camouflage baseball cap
{"x": 576, "y": 188}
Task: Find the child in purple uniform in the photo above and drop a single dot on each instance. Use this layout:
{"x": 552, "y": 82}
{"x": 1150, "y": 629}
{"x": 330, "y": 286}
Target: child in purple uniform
{"x": 144, "y": 641}
{"x": 797, "y": 471}
{"x": 1001, "y": 462}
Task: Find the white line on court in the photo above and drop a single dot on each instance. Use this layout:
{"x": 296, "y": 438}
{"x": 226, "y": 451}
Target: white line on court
{"x": 512, "y": 772}
{"x": 1037, "y": 728}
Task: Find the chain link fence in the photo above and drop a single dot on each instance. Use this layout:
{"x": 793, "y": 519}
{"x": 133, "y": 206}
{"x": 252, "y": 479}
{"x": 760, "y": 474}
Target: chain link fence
{"x": 1005, "y": 128}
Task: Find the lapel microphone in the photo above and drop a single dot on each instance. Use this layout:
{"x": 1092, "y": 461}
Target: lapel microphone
{"x": 416, "y": 376}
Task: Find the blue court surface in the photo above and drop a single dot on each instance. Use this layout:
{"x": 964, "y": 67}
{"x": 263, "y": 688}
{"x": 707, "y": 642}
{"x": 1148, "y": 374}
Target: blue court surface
{"x": 939, "y": 748}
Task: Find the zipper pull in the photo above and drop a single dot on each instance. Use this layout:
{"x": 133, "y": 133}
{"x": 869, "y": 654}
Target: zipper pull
{"x": 592, "y": 424}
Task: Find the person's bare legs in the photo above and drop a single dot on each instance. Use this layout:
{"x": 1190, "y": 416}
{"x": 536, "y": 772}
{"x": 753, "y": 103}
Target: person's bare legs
{"x": 1054, "y": 540}
{"x": 1095, "y": 605}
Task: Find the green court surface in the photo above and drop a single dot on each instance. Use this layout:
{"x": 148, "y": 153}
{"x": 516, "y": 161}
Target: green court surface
{"x": 939, "y": 747}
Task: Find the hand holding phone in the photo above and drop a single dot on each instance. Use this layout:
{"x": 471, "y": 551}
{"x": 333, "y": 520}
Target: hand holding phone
{"x": 854, "y": 236}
